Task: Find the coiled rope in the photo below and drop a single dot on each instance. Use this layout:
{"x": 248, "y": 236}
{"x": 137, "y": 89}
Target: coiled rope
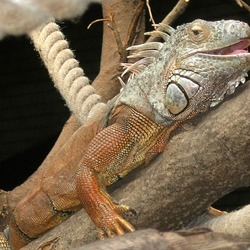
{"x": 65, "y": 72}
{"x": 25, "y": 16}
{"x": 18, "y": 17}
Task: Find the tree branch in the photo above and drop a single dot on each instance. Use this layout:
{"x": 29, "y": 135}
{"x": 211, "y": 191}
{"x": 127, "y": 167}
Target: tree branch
{"x": 235, "y": 223}
{"x": 198, "y": 167}
{"x": 153, "y": 239}
{"x": 127, "y": 20}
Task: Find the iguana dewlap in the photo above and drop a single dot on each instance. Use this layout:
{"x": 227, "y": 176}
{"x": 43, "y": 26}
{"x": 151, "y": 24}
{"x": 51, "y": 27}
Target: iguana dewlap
{"x": 193, "y": 69}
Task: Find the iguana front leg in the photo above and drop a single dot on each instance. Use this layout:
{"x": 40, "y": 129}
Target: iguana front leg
{"x": 98, "y": 204}
{"x": 113, "y": 153}
{"x": 96, "y": 173}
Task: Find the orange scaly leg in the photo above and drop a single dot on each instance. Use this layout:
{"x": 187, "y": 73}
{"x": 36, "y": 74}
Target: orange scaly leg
{"x": 104, "y": 159}
{"x": 99, "y": 206}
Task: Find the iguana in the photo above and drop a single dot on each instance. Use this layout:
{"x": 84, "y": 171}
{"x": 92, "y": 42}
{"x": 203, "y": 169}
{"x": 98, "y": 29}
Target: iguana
{"x": 193, "y": 69}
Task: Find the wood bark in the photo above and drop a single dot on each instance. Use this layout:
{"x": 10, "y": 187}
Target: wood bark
{"x": 124, "y": 26}
{"x": 153, "y": 239}
{"x": 184, "y": 240}
{"x": 198, "y": 167}
{"x": 235, "y": 223}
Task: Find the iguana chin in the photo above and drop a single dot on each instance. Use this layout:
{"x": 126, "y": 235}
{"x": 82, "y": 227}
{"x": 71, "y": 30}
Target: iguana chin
{"x": 193, "y": 69}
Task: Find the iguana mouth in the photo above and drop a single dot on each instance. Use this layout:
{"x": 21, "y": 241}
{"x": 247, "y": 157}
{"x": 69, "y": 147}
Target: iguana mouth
{"x": 240, "y": 47}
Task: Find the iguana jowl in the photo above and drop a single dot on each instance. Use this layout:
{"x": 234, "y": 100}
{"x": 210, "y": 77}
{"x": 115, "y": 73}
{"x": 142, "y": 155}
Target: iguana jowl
{"x": 192, "y": 70}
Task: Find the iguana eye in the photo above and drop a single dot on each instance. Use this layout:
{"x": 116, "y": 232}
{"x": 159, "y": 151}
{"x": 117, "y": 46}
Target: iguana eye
{"x": 199, "y": 32}
{"x": 176, "y": 100}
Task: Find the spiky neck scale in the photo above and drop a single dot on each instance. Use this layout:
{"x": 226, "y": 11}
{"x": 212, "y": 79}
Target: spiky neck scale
{"x": 193, "y": 69}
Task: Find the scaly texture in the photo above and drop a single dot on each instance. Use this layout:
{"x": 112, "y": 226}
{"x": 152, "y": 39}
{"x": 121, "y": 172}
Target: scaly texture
{"x": 3, "y": 243}
{"x": 199, "y": 166}
{"x": 191, "y": 71}
{"x": 131, "y": 139}
{"x": 197, "y": 65}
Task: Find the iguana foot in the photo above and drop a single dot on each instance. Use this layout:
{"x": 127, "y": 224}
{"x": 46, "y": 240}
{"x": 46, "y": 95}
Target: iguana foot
{"x": 115, "y": 230}
{"x": 123, "y": 209}
{"x": 99, "y": 205}
{"x": 110, "y": 223}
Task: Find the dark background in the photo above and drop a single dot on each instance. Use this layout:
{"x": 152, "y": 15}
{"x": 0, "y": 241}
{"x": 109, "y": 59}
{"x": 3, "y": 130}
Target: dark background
{"x": 32, "y": 111}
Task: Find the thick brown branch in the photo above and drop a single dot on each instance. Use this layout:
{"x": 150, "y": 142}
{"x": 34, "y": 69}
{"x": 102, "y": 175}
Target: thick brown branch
{"x": 126, "y": 13}
{"x": 153, "y": 239}
{"x": 198, "y": 167}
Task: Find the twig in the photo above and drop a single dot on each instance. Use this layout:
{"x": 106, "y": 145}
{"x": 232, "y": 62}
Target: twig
{"x": 150, "y": 13}
{"x": 178, "y": 9}
{"x": 242, "y": 4}
{"x": 98, "y": 20}
{"x": 112, "y": 26}
{"x": 131, "y": 30}
{"x": 116, "y": 34}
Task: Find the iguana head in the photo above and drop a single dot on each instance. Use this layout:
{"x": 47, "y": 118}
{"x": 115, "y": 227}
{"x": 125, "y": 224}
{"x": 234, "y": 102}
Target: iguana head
{"x": 195, "y": 67}
{"x": 212, "y": 61}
